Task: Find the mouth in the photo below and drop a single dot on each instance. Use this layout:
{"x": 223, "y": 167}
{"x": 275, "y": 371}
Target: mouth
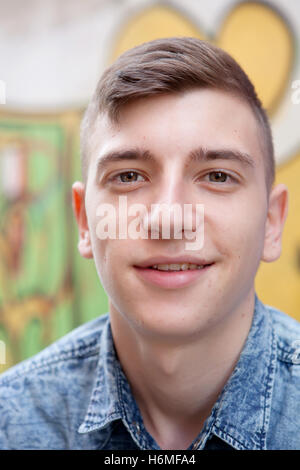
{"x": 174, "y": 267}
{"x": 173, "y": 275}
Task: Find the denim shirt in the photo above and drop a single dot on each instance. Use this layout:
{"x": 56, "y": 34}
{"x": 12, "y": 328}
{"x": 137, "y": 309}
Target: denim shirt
{"x": 74, "y": 394}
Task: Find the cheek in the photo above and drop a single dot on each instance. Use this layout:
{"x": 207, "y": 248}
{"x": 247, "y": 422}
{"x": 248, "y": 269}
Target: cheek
{"x": 111, "y": 260}
{"x": 238, "y": 232}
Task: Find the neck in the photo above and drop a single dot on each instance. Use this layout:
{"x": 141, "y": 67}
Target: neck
{"x": 176, "y": 384}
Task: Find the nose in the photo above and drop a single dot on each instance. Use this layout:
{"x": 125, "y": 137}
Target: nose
{"x": 171, "y": 211}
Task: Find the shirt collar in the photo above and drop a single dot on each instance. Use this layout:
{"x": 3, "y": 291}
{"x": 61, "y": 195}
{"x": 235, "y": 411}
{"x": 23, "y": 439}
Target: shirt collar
{"x": 241, "y": 414}
{"x": 104, "y": 405}
{"x": 111, "y": 398}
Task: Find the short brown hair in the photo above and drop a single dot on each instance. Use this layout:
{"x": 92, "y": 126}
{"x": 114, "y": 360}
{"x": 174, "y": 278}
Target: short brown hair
{"x": 171, "y": 65}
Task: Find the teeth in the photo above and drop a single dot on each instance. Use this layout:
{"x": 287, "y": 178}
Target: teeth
{"x": 177, "y": 267}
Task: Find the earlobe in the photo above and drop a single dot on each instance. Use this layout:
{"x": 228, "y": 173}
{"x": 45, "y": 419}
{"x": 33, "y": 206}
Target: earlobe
{"x": 277, "y": 213}
{"x": 78, "y": 196}
{"x": 84, "y": 245}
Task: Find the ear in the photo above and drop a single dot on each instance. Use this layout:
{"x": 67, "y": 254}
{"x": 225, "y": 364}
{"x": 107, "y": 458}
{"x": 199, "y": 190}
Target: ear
{"x": 277, "y": 213}
{"x": 84, "y": 244}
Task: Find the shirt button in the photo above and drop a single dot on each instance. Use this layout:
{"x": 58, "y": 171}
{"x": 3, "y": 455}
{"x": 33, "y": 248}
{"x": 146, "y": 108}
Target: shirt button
{"x": 196, "y": 444}
{"x": 137, "y": 427}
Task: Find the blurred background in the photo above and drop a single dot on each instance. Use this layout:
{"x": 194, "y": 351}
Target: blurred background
{"x": 51, "y": 56}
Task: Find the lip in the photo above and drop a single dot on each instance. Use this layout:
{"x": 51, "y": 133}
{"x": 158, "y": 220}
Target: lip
{"x": 171, "y": 279}
{"x": 168, "y": 260}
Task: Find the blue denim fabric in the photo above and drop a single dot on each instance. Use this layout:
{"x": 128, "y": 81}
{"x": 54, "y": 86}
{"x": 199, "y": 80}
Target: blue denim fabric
{"x": 74, "y": 394}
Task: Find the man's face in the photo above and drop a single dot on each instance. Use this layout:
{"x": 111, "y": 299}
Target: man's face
{"x": 171, "y": 128}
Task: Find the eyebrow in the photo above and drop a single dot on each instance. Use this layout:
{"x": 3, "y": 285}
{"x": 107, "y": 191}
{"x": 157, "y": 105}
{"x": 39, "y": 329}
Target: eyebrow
{"x": 202, "y": 154}
{"x": 199, "y": 154}
{"x": 121, "y": 155}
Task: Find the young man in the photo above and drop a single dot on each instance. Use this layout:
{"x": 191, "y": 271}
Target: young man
{"x": 188, "y": 356}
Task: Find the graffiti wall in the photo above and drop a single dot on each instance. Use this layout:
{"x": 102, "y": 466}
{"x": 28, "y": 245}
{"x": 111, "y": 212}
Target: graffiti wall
{"x": 49, "y": 67}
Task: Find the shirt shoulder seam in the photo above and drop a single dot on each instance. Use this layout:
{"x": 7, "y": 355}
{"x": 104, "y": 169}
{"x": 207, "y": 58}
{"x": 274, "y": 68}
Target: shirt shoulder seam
{"x": 31, "y": 366}
{"x": 285, "y": 351}
{"x": 288, "y": 355}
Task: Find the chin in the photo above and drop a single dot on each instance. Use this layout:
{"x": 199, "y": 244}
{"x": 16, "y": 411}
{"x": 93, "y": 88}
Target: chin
{"x": 168, "y": 324}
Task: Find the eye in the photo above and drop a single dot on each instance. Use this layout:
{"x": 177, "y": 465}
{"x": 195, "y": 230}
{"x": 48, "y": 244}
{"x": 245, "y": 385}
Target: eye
{"x": 219, "y": 176}
{"x": 127, "y": 177}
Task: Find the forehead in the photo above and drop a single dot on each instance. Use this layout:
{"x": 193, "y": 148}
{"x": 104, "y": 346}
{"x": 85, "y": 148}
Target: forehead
{"x": 175, "y": 124}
